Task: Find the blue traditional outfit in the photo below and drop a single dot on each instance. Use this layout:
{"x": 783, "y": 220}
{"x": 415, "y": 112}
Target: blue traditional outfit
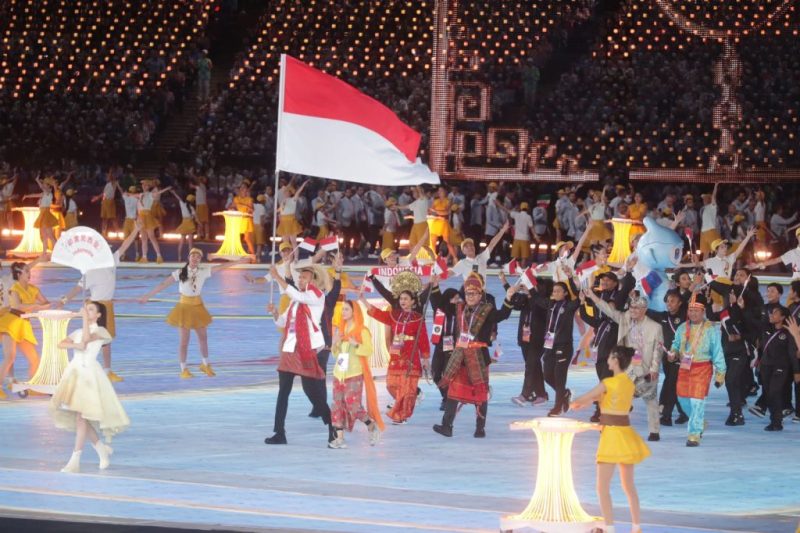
{"x": 699, "y": 349}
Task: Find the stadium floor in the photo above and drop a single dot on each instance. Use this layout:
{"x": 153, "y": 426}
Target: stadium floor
{"x": 194, "y": 456}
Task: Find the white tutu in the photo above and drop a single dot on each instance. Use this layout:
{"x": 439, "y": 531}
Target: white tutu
{"x": 84, "y": 388}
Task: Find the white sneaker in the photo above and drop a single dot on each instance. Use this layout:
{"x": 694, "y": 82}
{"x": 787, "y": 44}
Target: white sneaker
{"x": 104, "y": 452}
{"x": 73, "y": 466}
{"x": 338, "y": 443}
{"x": 420, "y": 397}
{"x": 374, "y": 434}
{"x": 519, "y": 400}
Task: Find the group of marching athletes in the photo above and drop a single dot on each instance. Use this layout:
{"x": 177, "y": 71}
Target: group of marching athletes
{"x": 694, "y": 342}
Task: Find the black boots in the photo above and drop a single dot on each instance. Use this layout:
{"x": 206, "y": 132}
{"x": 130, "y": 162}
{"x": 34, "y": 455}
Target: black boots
{"x": 735, "y": 418}
{"x": 443, "y": 430}
{"x": 277, "y": 438}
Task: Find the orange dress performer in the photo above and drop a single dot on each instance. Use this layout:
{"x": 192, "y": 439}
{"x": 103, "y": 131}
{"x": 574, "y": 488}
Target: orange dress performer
{"x": 352, "y": 347}
{"x": 409, "y": 349}
{"x": 637, "y": 211}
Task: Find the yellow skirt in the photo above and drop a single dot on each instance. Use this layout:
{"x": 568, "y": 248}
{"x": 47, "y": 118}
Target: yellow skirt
{"x": 387, "y": 240}
{"x": 111, "y": 324}
{"x": 598, "y": 232}
{"x": 288, "y": 226}
{"x": 621, "y": 445}
{"x": 455, "y": 237}
{"x": 108, "y": 209}
{"x": 148, "y": 219}
{"x": 71, "y": 220}
{"x": 706, "y": 238}
{"x": 190, "y": 313}
{"x": 201, "y": 213}
{"x": 323, "y": 232}
{"x": 46, "y": 219}
{"x": 246, "y": 225}
{"x": 17, "y": 328}
{"x": 59, "y": 217}
{"x": 417, "y": 231}
{"x": 521, "y": 249}
{"x": 440, "y": 227}
{"x": 186, "y": 227}
{"x": 761, "y": 231}
{"x": 128, "y": 226}
{"x": 259, "y": 235}
{"x": 158, "y": 211}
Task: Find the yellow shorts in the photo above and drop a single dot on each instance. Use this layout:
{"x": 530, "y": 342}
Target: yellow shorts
{"x": 417, "y": 231}
{"x": 186, "y": 227}
{"x": 521, "y": 249}
{"x": 288, "y": 226}
{"x": 201, "y": 213}
{"x": 128, "y": 226}
{"x": 46, "y": 219}
{"x": 148, "y": 219}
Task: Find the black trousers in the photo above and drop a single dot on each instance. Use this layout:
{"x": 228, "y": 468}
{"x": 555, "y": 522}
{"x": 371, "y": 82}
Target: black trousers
{"x": 351, "y": 233}
{"x": 533, "y": 383}
{"x": 773, "y": 380}
{"x": 451, "y": 408}
{"x": 735, "y": 377}
{"x": 315, "y": 392}
{"x": 556, "y": 366}
{"x": 668, "y": 398}
{"x": 438, "y": 364}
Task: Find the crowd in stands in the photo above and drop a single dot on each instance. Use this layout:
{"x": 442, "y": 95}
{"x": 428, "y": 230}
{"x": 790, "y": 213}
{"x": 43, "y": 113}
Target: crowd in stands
{"x": 90, "y": 80}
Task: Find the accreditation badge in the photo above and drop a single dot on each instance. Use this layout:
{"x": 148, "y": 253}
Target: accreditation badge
{"x": 396, "y": 347}
{"x": 463, "y": 340}
{"x": 686, "y": 361}
{"x": 343, "y": 361}
{"x": 448, "y": 343}
{"x": 549, "y": 339}
{"x": 526, "y": 334}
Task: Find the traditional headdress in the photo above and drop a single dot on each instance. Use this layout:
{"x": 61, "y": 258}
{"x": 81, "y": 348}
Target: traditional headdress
{"x": 406, "y": 281}
{"x": 473, "y": 282}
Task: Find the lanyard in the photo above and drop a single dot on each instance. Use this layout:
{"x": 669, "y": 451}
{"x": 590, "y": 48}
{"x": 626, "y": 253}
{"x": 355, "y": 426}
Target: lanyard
{"x": 673, "y": 328}
{"x": 405, "y": 323}
{"x": 551, "y": 327}
{"x": 687, "y": 337}
{"x": 471, "y": 319}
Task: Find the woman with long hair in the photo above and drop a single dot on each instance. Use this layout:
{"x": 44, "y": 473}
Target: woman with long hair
{"x": 409, "y": 349}
{"x": 46, "y": 222}
{"x": 352, "y": 346}
{"x": 190, "y": 313}
{"x": 84, "y": 400}
{"x": 619, "y": 444}
{"x": 17, "y": 332}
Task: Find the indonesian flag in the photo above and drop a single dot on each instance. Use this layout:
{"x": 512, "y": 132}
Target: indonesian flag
{"x": 366, "y": 285}
{"x": 724, "y": 317}
{"x": 438, "y": 326}
{"x": 651, "y": 282}
{"x": 529, "y": 278}
{"x": 440, "y": 267}
{"x": 585, "y": 270}
{"x": 330, "y": 243}
{"x": 328, "y": 129}
{"x": 511, "y": 268}
{"x": 498, "y": 351}
{"x": 688, "y": 233}
{"x": 709, "y": 277}
{"x": 308, "y": 244}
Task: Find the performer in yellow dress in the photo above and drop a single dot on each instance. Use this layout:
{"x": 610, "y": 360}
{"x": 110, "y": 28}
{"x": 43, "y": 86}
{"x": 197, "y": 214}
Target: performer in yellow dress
{"x": 187, "y": 227}
{"x": 288, "y": 226}
{"x": 15, "y": 331}
{"x": 71, "y": 218}
{"x": 619, "y": 442}
{"x": 190, "y": 313}
{"x": 158, "y": 210}
{"x": 46, "y": 222}
{"x": 637, "y": 211}
{"x": 244, "y": 204}
{"x": 84, "y": 400}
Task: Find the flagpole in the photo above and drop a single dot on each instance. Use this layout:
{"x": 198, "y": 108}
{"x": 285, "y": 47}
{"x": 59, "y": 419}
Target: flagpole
{"x": 282, "y": 84}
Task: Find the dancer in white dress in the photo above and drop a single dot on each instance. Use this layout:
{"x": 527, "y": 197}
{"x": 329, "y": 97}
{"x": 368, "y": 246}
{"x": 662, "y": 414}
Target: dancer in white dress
{"x": 84, "y": 400}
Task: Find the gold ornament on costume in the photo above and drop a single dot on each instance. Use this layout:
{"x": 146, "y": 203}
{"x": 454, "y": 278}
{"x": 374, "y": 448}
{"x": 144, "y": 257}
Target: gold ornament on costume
{"x": 406, "y": 281}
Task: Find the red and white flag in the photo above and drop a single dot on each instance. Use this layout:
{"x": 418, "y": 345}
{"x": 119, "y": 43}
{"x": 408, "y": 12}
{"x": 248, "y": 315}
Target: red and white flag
{"x": 440, "y": 267}
{"x": 586, "y": 269}
{"x": 328, "y": 129}
{"x": 529, "y": 278}
{"x": 366, "y": 285}
{"x": 330, "y": 243}
{"x": 308, "y": 244}
{"x": 511, "y": 268}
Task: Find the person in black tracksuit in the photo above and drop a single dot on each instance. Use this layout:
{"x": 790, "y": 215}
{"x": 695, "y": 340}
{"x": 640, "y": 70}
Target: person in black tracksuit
{"x": 732, "y": 328}
{"x": 558, "y": 345}
{"x": 530, "y": 337}
{"x": 674, "y": 316}
{"x": 794, "y": 313}
{"x": 444, "y": 347}
{"x": 778, "y": 364}
{"x": 605, "y": 329}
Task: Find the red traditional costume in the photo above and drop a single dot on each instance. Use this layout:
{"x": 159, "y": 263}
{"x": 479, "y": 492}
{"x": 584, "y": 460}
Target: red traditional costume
{"x": 408, "y": 344}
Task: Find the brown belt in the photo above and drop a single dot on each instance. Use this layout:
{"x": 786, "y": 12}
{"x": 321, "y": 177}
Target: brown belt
{"x": 615, "y": 420}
